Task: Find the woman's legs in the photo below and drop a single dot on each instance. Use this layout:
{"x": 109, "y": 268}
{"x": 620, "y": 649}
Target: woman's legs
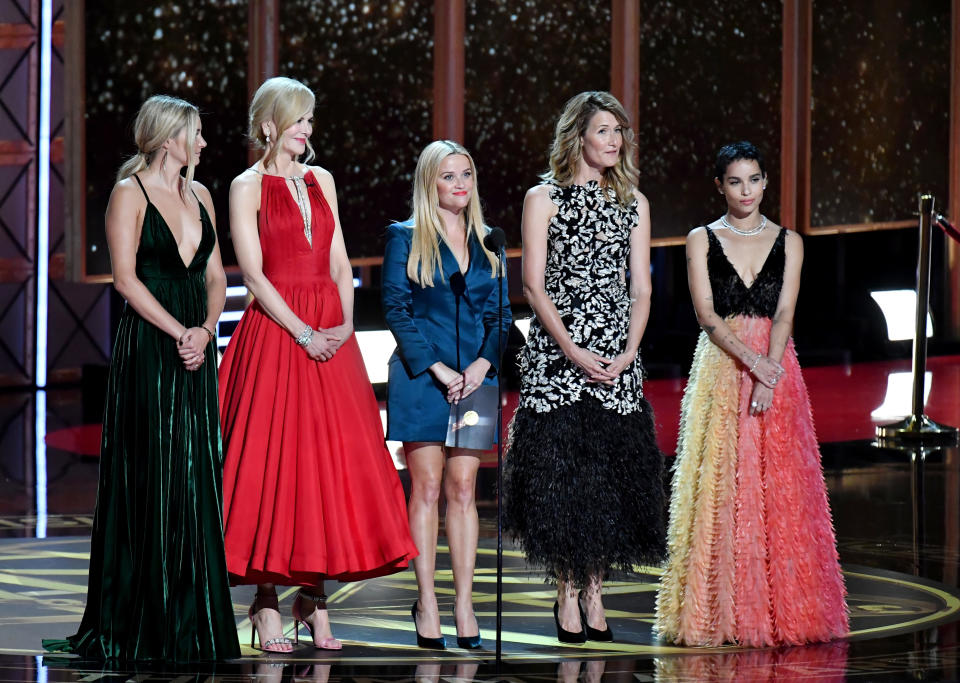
{"x": 569, "y": 612}
{"x": 593, "y": 604}
{"x": 265, "y": 616}
{"x": 463, "y": 529}
{"x": 425, "y": 462}
{"x": 311, "y": 607}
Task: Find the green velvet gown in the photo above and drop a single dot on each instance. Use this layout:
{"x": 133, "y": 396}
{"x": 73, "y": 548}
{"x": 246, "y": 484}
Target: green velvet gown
{"x": 158, "y": 587}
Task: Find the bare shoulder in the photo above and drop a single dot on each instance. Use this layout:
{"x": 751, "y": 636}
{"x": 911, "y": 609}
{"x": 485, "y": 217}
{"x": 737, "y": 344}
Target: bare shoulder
{"x": 792, "y": 242}
{"x": 538, "y": 199}
{"x": 321, "y": 174}
{"x": 642, "y": 202}
{"x": 697, "y": 235}
{"x": 127, "y": 194}
{"x": 201, "y": 191}
{"x": 248, "y": 180}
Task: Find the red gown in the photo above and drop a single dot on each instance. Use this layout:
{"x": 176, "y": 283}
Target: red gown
{"x": 310, "y": 491}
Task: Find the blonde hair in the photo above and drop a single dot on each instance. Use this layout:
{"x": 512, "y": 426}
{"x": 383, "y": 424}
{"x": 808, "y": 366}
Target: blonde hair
{"x": 567, "y": 148}
{"x": 160, "y": 118}
{"x": 428, "y": 227}
{"x": 281, "y": 100}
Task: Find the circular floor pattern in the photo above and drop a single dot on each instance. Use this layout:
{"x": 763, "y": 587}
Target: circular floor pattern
{"x": 43, "y": 585}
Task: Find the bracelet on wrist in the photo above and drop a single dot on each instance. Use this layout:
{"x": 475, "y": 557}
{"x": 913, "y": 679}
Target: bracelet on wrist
{"x": 304, "y": 339}
{"x": 209, "y": 332}
{"x": 756, "y": 362}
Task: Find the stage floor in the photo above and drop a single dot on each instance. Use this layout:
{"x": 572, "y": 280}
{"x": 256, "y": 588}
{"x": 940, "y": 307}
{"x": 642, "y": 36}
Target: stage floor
{"x": 897, "y": 516}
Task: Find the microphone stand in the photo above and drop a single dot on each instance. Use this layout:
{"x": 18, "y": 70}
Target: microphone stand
{"x": 494, "y": 242}
{"x": 499, "y": 458}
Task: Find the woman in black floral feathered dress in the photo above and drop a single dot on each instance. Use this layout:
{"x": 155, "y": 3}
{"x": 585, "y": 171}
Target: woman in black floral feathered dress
{"x": 583, "y": 476}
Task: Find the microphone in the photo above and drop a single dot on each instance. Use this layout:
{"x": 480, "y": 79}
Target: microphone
{"x": 494, "y": 240}
{"x": 458, "y": 284}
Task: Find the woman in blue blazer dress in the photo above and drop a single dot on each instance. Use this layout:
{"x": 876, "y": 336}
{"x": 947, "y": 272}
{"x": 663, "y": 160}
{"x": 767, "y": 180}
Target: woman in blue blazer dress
{"x": 425, "y": 259}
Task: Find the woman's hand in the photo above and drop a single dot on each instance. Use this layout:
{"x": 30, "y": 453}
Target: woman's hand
{"x": 594, "y": 366}
{"x": 449, "y": 378}
{"x": 766, "y": 370}
{"x": 619, "y": 364}
{"x": 322, "y": 345}
{"x": 338, "y": 334}
{"x": 473, "y": 376}
{"x": 191, "y": 345}
{"x": 761, "y": 399}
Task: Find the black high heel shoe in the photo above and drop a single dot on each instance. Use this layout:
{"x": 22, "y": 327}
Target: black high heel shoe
{"x": 467, "y": 642}
{"x": 563, "y": 635}
{"x": 592, "y": 633}
{"x": 427, "y": 643}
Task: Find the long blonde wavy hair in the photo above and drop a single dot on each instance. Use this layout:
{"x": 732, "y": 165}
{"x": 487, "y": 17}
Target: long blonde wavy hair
{"x": 160, "y": 118}
{"x": 281, "y": 100}
{"x": 567, "y": 148}
{"x": 428, "y": 228}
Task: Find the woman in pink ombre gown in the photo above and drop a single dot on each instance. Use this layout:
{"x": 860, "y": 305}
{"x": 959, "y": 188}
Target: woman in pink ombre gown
{"x": 752, "y": 554}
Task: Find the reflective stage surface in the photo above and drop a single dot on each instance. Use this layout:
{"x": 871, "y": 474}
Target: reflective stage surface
{"x": 897, "y": 515}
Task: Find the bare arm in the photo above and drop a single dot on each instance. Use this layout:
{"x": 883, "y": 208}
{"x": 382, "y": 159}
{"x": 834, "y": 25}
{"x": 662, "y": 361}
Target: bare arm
{"x": 341, "y": 271}
{"x": 762, "y": 397}
{"x": 782, "y": 326}
{"x": 215, "y": 278}
{"x": 538, "y": 209}
{"x": 640, "y": 286}
{"x": 244, "y": 205}
{"x": 123, "y": 225}
{"x": 698, "y": 279}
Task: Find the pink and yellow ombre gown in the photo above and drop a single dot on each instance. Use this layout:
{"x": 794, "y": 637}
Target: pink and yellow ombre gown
{"x": 752, "y": 553}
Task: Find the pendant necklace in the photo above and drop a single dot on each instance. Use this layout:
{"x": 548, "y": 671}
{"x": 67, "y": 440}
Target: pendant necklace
{"x": 746, "y": 233}
{"x": 302, "y": 200}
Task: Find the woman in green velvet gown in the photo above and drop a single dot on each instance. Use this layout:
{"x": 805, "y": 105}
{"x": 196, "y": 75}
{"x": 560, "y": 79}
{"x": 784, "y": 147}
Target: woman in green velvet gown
{"x": 158, "y": 586}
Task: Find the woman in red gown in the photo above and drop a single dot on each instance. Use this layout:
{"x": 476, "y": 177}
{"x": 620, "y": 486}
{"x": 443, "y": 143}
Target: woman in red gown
{"x": 310, "y": 491}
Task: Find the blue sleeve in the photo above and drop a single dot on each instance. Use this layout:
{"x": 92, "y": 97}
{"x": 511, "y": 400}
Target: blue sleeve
{"x": 397, "y": 299}
{"x": 490, "y": 318}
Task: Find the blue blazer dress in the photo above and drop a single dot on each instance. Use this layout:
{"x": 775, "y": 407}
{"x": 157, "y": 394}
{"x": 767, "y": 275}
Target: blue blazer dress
{"x": 423, "y": 322}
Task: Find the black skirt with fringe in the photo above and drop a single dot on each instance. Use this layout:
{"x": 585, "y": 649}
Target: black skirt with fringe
{"x": 583, "y": 490}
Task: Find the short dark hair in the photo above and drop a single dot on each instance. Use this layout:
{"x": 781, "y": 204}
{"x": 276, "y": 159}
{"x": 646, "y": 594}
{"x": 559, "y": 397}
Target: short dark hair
{"x": 736, "y": 151}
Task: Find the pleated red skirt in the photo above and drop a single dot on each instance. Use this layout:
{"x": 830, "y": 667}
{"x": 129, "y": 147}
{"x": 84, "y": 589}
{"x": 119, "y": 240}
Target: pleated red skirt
{"x": 310, "y": 491}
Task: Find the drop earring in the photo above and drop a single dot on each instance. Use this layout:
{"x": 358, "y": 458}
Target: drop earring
{"x": 163, "y": 162}
{"x": 268, "y": 138}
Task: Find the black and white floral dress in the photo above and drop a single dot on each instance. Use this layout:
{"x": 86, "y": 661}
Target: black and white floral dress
{"x": 584, "y": 477}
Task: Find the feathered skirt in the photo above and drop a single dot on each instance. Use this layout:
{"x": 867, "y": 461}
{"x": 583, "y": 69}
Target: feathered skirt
{"x": 584, "y": 490}
{"x": 752, "y": 553}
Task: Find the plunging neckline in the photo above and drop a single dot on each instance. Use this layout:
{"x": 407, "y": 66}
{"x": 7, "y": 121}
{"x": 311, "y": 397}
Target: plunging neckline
{"x": 293, "y": 200}
{"x": 736, "y": 272}
{"x": 169, "y": 233}
{"x": 467, "y": 252}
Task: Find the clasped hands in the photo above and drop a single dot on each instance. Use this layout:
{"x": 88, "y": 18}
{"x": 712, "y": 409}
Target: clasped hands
{"x": 461, "y": 384}
{"x": 597, "y": 368}
{"x": 327, "y": 341}
{"x": 191, "y": 345}
{"x": 767, "y": 373}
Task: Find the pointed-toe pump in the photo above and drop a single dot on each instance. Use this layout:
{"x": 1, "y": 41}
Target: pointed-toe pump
{"x": 563, "y": 635}
{"x": 593, "y": 633}
{"x": 467, "y": 642}
{"x": 427, "y": 643}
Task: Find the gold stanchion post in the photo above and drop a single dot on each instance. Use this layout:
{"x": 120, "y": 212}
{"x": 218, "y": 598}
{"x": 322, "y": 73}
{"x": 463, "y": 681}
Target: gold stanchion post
{"x": 918, "y": 427}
